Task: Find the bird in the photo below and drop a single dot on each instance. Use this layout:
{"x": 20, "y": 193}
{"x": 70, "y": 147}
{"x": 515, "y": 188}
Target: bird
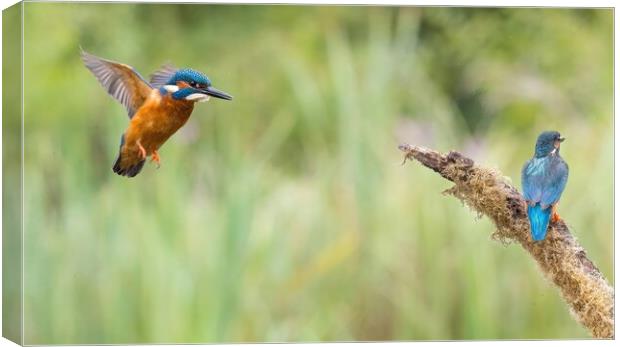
{"x": 543, "y": 179}
{"x": 156, "y": 109}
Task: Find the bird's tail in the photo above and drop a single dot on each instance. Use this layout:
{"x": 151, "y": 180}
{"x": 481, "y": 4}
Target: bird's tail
{"x": 539, "y": 221}
{"x": 123, "y": 168}
{"x": 129, "y": 171}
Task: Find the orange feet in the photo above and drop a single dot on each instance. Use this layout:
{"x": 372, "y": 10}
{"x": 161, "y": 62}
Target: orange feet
{"x": 142, "y": 150}
{"x": 155, "y": 158}
{"x": 554, "y": 214}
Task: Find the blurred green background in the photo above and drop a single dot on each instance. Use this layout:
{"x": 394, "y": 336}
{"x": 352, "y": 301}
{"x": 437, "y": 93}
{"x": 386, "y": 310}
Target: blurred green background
{"x": 285, "y": 215}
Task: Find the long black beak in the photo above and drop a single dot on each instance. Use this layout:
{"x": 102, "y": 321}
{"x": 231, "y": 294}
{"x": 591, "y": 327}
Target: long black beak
{"x": 216, "y": 93}
{"x": 561, "y": 139}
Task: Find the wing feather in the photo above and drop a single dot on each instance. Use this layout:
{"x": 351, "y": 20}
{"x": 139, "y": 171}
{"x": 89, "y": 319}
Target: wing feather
{"x": 120, "y": 81}
{"x": 532, "y": 184}
{"x": 160, "y": 77}
{"x": 555, "y": 181}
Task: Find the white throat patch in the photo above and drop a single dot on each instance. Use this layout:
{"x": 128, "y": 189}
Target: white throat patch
{"x": 171, "y": 88}
{"x": 198, "y": 97}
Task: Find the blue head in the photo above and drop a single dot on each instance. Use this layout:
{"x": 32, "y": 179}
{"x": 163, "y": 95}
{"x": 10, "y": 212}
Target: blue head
{"x": 188, "y": 84}
{"x": 548, "y": 142}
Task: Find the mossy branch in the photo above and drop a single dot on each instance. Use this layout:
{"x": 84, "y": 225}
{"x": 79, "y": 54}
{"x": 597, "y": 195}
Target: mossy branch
{"x": 559, "y": 256}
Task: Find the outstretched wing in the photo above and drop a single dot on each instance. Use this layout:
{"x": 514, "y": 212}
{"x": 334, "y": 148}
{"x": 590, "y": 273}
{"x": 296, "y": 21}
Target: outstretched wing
{"x": 160, "y": 77}
{"x": 555, "y": 181}
{"x": 120, "y": 80}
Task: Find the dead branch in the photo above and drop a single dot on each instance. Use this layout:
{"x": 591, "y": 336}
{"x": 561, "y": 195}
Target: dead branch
{"x": 559, "y": 256}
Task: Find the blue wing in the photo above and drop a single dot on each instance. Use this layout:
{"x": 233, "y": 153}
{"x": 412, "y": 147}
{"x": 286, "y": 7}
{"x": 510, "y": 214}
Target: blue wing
{"x": 119, "y": 80}
{"x": 555, "y": 181}
{"x": 532, "y": 180}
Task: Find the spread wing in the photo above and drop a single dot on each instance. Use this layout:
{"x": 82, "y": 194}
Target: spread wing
{"x": 555, "y": 181}
{"x": 160, "y": 77}
{"x": 119, "y": 80}
{"x": 532, "y": 184}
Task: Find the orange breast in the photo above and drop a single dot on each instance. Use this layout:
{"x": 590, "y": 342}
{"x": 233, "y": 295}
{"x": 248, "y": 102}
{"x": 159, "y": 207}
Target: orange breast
{"x": 154, "y": 122}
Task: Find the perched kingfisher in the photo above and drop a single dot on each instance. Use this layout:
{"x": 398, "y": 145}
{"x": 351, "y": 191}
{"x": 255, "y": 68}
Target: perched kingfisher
{"x": 543, "y": 179}
{"x": 156, "y": 109}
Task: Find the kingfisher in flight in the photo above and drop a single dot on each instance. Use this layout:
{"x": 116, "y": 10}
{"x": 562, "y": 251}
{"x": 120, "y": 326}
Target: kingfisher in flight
{"x": 156, "y": 109}
{"x": 543, "y": 179}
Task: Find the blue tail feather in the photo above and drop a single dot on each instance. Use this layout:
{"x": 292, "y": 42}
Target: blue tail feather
{"x": 539, "y": 221}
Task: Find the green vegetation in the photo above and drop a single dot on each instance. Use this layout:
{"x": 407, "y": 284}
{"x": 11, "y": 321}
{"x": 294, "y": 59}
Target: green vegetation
{"x": 285, "y": 215}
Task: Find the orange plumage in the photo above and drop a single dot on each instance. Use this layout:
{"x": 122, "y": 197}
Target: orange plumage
{"x": 157, "y": 119}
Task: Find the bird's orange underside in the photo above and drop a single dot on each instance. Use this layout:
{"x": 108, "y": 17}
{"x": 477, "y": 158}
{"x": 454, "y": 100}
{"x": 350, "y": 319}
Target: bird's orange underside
{"x": 154, "y": 122}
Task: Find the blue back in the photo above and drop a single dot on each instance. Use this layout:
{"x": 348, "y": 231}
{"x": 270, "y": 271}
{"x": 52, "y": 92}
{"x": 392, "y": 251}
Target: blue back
{"x": 544, "y": 179}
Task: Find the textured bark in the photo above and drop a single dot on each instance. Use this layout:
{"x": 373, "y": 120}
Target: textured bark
{"x": 559, "y": 256}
